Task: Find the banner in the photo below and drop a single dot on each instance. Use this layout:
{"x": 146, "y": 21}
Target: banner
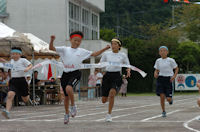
{"x": 81, "y": 66}
{"x": 187, "y": 82}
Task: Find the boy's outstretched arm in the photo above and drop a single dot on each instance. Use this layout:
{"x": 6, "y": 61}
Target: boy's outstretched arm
{"x": 28, "y": 68}
{"x": 2, "y": 60}
{"x": 100, "y": 51}
{"x": 51, "y": 47}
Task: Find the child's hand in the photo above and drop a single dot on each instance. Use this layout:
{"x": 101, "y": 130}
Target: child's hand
{"x": 107, "y": 47}
{"x": 53, "y": 37}
{"x": 172, "y": 78}
{"x": 128, "y": 72}
{"x": 156, "y": 74}
{"x": 26, "y": 70}
{"x": 198, "y": 85}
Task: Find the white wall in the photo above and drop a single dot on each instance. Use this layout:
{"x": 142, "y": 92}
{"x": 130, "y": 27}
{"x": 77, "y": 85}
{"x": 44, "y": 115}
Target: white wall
{"x": 98, "y": 3}
{"x": 39, "y": 17}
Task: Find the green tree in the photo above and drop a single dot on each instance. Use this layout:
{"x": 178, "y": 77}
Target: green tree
{"x": 107, "y": 34}
{"x": 189, "y": 17}
{"x": 187, "y": 56}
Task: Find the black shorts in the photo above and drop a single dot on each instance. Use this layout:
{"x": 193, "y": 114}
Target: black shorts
{"x": 70, "y": 78}
{"x": 164, "y": 86}
{"x": 111, "y": 80}
{"x": 19, "y": 86}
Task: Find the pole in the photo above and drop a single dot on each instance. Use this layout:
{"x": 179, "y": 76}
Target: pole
{"x": 117, "y": 25}
{"x": 33, "y": 59}
{"x": 173, "y": 15}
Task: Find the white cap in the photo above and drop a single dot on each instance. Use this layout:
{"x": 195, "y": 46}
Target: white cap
{"x": 28, "y": 75}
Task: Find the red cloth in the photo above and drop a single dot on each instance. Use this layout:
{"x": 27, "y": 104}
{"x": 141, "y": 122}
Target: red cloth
{"x": 186, "y": 1}
{"x": 165, "y": 1}
{"x": 49, "y": 72}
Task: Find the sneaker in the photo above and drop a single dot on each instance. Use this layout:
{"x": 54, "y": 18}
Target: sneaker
{"x": 66, "y": 118}
{"x": 171, "y": 102}
{"x": 108, "y": 118}
{"x": 163, "y": 114}
{"x": 6, "y": 114}
{"x": 73, "y": 111}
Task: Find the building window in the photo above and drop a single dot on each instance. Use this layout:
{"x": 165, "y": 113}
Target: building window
{"x": 3, "y": 6}
{"x": 94, "y": 26}
{"x": 73, "y": 26}
{"x": 74, "y": 17}
{"x": 84, "y": 20}
{"x": 85, "y": 17}
{"x": 74, "y": 11}
{"x": 94, "y": 35}
{"x": 86, "y": 33}
{"x": 94, "y": 21}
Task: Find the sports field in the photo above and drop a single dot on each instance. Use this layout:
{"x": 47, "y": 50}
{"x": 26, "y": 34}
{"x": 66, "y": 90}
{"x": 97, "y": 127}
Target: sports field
{"x": 130, "y": 114}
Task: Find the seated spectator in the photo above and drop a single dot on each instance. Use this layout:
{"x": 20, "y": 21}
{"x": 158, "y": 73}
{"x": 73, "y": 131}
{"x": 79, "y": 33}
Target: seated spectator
{"x": 37, "y": 81}
{"x": 2, "y": 76}
{"x": 3, "y": 92}
{"x": 28, "y": 79}
{"x": 51, "y": 82}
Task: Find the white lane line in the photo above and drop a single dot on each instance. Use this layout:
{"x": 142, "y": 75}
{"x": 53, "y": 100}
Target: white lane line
{"x": 130, "y": 121}
{"x": 157, "y": 116}
{"x": 29, "y": 117}
{"x": 146, "y": 119}
{"x": 118, "y": 121}
{"x": 115, "y": 117}
{"x": 88, "y": 114}
{"x": 96, "y": 113}
{"x": 186, "y": 124}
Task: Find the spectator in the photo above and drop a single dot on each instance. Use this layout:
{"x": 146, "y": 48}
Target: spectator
{"x": 198, "y": 100}
{"x": 28, "y": 79}
{"x": 3, "y": 92}
{"x": 37, "y": 81}
{"x": 92, "y": 83}
{"x": 98, "y": 83}
{"x": 123, "y": 89}
{"x": 2, "y": 76}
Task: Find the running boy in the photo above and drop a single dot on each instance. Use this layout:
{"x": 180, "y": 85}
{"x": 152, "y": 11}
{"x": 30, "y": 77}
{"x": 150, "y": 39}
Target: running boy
{"x": 71, "y": 57}
{"x": 165, "y": 75}
{"x": 112, "y": 79}
{"x": 198, "y": 100}
{"x": 17, "y": 84}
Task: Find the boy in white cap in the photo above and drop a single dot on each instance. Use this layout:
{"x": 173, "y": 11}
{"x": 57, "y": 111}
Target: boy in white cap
{"x": 165, "y": 75}
{"x": 17, "y": 84}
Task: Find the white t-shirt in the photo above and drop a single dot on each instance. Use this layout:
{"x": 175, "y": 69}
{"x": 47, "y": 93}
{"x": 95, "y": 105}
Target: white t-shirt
{"x": 114, "y": 57}
{"x": 72, "y": 57}
{"x": 99, "y": 75}
{"x": 165, "y": 66}
{"x": 18, "y": 67}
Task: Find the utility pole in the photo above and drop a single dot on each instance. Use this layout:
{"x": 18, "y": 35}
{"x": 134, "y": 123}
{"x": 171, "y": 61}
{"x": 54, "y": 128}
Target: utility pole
{"x": 173, "y": 6}
{"x": 117, "y": 25}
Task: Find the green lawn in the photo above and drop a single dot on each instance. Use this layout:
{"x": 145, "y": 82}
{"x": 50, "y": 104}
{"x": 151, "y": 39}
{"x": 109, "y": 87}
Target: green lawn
{"x": 153, "y": 94}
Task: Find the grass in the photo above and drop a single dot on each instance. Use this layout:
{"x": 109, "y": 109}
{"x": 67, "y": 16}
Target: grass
{"x": 154, "y": 94}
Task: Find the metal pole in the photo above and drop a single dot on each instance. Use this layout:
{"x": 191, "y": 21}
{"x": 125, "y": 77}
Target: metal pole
{"x": 33, "y": 60}
{"x": 173, "y": 14}
{"x": 117, "y": 25}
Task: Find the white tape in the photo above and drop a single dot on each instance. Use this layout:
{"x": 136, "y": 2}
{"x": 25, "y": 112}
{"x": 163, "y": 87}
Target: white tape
{"x": 6, "y": 65}
{"x": 88, "y": 66}
{"x": 81, "y": 66}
